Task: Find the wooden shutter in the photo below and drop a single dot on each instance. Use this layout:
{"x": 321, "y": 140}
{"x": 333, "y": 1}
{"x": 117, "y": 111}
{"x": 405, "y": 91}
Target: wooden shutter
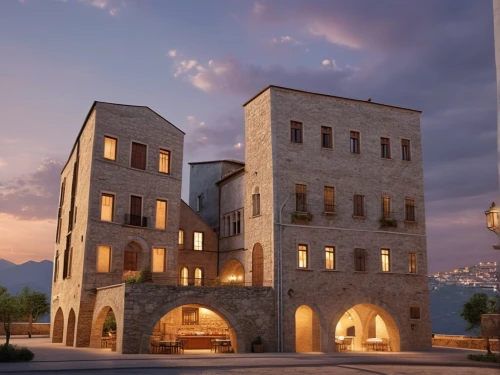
{"x": 257, "y": 265}
{"x": 138, "y": 159}
{"x": 360, "y": 259}
{"x": 359, "y": 205}
{"x": 129, "y": 261}
{"x": 301, "y": 198}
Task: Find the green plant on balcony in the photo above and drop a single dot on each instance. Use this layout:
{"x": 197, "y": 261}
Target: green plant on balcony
{"x": 386, "y": 222}
{"x": 301, "y": 217}
{"x": 132, "y": 277}
{"x": 146, "y": 276}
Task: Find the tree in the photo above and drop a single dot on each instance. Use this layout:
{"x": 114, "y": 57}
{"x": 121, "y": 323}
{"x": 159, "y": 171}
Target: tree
{"x": 9, "y": 311}
{"x": 33, "y": 305}
{"x": 472, "y": 311}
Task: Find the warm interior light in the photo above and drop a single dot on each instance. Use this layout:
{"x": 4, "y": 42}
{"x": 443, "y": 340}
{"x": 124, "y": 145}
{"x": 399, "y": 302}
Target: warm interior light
{"x": 492, "y": 218}
{"x": 232, "y": 278}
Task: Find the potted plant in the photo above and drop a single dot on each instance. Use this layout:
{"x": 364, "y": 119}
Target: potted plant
{"x": 146, "y": 275}
{"x": 257, "y": 345}
{"x": 301, "y": 217}
{"x": 386, "y": 222}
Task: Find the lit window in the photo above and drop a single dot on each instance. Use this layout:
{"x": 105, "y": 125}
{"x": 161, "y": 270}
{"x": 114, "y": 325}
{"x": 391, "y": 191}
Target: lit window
{"x": 385, "y": 148}
{"x": 330, "y": 257}
{"x": 326, "y": 137}
{"x": 181, "y": 239}
{"x": 302, "y": 256}
{"x": 355, "y": 142}
{"x": 405, "y": 149}
{"x": 109, "y": 148}
{"x": 412, "y": 262}
{"x": 164, "y": 161}
{"x": 107, "y": 207}
{"x": 386, "y": 207}
{"x": 184, "y": 276}
{"x": 386, "y": 260}
{"x": 409, "y": 209}
{"x": 198, "y": 277}
{"x": 158, "y": 259}
{"x": 104, "y": 259}
{"x": 161, "y": 214}
{"x": 190, "y": 316}
{"x": 198, "y": 240}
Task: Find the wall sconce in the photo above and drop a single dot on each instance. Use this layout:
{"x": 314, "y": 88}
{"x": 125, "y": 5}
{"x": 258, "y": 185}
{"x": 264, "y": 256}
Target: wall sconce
{"x": 232, "y": 278}
{"x": 492, "y": 221}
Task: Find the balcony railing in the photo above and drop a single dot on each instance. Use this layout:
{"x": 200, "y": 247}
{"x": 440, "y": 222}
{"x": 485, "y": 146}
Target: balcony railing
{"x": 301, "y": 207}
{"x": 136, "y": 220}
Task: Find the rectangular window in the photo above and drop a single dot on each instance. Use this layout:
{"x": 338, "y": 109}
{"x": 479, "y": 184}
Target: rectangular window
{"x": 326, "y": 137}
{"x": 303, "y": 256}
{"x": 161, "y": 214}
{"x": 104, "y": 259}
{"x": 70, "y": 262}
{"x": 329, "y": 198}
{"x": 59, "y": 228}
{"x": 199, "y": 203}
{"x": 135, "y": 210}
{"x": 198, "y": 240}
{"x": 109, "y": 148}
{"x": 385, "y": 145}
{"x": 190, "y": 316}
{"x": 256, "y": 204}
{"x": 414, "y": 312}
{"x": 386, "y": 260}
{"x": 181, "y": 239}
{"x": 405, "y": 149}
{"x": 359, "y": 260}
{"x": 355, "y": 142}
{"x": 296, "y": 132}
{"x": 409, "y": 209}
{"x": 159, "y": 259}
{"x": 412, "y": 262}
{"x": 359, "y": 205}
{"x": 107, "y": 207}
{"x": 138, "y": 157}
{"x": 386, "y": 207}
{"x": 330, "y": 257}
{"x": 164, "y": 166}
{"x": 301, "y": 198}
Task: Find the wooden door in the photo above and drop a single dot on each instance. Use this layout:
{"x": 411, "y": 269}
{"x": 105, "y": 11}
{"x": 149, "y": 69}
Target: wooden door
{"x": 129, "y": 261}
{"x": 135, "y": 210}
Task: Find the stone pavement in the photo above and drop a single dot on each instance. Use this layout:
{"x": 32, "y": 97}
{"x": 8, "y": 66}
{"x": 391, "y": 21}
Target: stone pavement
{"x": 56, "y": 358}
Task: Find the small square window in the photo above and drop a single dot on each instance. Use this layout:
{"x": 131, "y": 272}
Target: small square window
{"x": 385, "y": 145}
{"x": 198, "y": 240}
{"x": 159, "y": 259}
{"x": 326, "y": 137}
{"x": 405, "y": 149}
{"x": 386, "y": 260}
{"x": 355, "y": 143}
{"x": 296, "y": 132}
{"x": 164, "y": 164}
{"x": 110, "y": 148}
{"x": 330, "y": 257}
{"x": 303, "y": 256}
{"x": 104, "y": 259}
{"x": 107, "y": 207}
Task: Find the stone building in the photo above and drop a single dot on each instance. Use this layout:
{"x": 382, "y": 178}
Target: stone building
{"x": 320, "y": 233}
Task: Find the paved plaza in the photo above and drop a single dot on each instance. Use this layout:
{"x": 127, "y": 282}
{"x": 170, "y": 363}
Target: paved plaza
{"x": 56, "y": 358}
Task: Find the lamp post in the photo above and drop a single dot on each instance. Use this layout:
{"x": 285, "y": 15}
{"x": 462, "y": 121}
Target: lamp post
{"x": 492, "y": 221}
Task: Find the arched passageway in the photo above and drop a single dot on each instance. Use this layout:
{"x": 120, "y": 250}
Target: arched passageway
{"x": 366, "y": 327}
{"x": 104, "y": 332}
{"x": 58, "y": 329}
{"x": 70, "y": 330}
{"x": 257, "y": 265}
{"x": 307, "y": 330}
{"x": 233, "y": 272}
{"x": 197, "y": 329}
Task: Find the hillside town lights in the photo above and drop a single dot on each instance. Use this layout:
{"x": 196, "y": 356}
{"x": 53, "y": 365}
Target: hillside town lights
{"x": 492, "y": 221}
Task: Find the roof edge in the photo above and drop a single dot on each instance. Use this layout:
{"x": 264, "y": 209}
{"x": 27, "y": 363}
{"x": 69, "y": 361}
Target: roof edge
{"x": 235, "y": 173}
{"x": 217, "y": 161}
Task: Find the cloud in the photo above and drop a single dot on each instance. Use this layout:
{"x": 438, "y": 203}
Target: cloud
{"x": 112, "y": 6}
{"x": 172, "y": 53}
{"x": 33, "y": 196}
{"x": 285, "y": 40}
{"x": 258, "y": 8}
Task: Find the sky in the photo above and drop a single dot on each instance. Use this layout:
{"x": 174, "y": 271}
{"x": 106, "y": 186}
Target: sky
{"x": 197, "y": 62}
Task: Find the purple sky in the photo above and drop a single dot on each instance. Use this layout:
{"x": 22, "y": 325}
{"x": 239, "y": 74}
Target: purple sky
{"x": 196, "y": 62}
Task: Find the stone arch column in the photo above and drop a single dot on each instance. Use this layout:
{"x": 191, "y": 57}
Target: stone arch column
{"x": 58, "y": 327}
{"x": 70, "y": 330}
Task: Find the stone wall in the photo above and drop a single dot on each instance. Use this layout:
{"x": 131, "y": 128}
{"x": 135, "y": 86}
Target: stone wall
{"x": 22, "y": 329}
{"x": 464, "y": 342}
{"x": 490, "y": 325}
{"x": 249, "y": 312}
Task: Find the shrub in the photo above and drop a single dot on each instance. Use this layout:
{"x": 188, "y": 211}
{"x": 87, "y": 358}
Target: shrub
{"x": 495, "y": 358}
{"x": 11, "y": 353}
{"x": 132, "y": 277}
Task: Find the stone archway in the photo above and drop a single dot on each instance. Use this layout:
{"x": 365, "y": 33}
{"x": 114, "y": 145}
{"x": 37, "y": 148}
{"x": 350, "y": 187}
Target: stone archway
{"x": 307, "y": 330}
{"x": 236, "y": 332}
{"x": 233, "y": 271}
{"x": 370, "y": 321}
{"x": 257, "y": 265}
{"x": 135, "y": 254}
{"x": 97, "y": 328}
{"x": 58, "y": 329}
{"x": 70, "y": 330}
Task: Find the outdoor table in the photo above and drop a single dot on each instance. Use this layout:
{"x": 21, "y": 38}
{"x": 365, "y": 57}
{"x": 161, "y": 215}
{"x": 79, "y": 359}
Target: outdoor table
{"x": 373, "y": 343}
{"x": 169, "y": 346}
{"x": 224, "y": 345}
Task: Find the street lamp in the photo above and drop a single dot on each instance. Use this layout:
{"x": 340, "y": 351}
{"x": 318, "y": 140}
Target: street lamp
{"x": 492, "y": 221}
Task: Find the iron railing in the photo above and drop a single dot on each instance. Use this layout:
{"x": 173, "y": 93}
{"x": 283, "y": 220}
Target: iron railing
{"x": 136, "y": 220}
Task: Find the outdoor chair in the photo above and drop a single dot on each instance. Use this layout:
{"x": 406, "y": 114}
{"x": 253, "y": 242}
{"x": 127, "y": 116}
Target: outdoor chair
{"x": 215, "y": 345}
{"x": 386, "y": 345}
{"x": 155, "y": 346}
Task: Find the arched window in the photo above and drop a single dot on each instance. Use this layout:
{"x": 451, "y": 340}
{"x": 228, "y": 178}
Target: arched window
{"x": 414, "y": 310}
{"x": 198, "y": 277}
{"x": 256, "y": 201}
{"x": 238, "y": 222}
{"x": 184, "y": 276}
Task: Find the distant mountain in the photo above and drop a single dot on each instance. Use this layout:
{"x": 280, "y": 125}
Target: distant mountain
{"x": 4, "y": 264}
{"x": 447, "y": 302}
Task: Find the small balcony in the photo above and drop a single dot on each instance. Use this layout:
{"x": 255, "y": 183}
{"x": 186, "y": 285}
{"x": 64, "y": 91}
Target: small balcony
{"x": 136, "y": 220}
{"x": 387, "y": 220}
{"x": 330, "y": 208}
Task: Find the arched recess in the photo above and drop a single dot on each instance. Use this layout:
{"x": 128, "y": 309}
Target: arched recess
{"x": 236, "y": 334}
{"x": 70, "y": 330}
{"x": 257, "y": 265}
{"x": 58, "y": 329}
{"x": 183, "y": 276}
{"x": 97, "y": 327}
{"x": 198, "y": 277}
{"x": 232, "y": 271}
{"x": 307, "y": 330}
{"x": 370, "y": 321}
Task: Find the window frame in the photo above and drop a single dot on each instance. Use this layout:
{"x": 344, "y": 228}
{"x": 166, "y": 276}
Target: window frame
{"x": 388, "y": 143}
{"x": 415, "y": 307}
{"x": 412, "y": 262}
{"x": 146, "y": 155}
{"x": 355, "y": 204}
{"x": 104, "y": 147}
{"x": 187, "y": 312}
{"x": 109, "y": 260}
{"x": 406, "y": 142}
{"x": 327, "y": 130}
{"x": 164, "y": 259}
{"x": 297, "y": 126}
{"x": 414, "y": 213}
{"x": 301, "y": 207}
{"x": 329, "y": 208}
{"x": 164, "y": 150}
{"x": 130, "y": 206}
{"x": 355, "y": 147}
{"x": 306, "y": 251}
{"x": 181, "y": 245}
{"x": 256, "y": 201}
{"x": 382, "y": 257}
{"x": 360, "y": 253}
{"x": 166, "y": 213}
{"x": 113, "y": 195}
{"x": 334, "y": 260}
{"x": 385, "y": 203}
{"x": 183, "y": 279}
{"x": 202, "y": 240}
{"x": 199, "y": 281}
